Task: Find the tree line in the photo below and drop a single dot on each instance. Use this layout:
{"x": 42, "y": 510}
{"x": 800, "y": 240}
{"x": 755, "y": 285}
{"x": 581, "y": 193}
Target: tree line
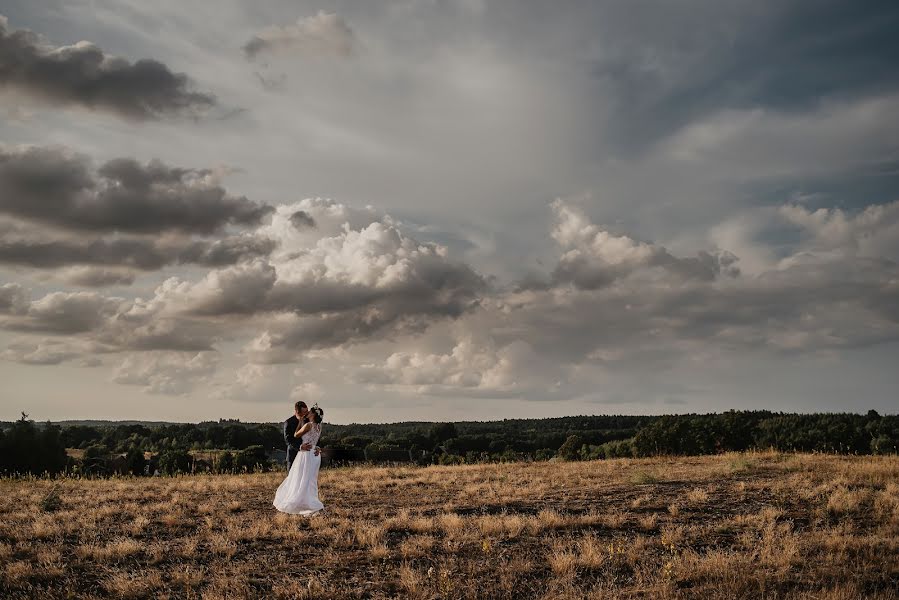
{"x": 28, "y": 447}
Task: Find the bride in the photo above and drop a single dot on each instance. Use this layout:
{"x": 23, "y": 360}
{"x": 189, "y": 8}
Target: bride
{"x": 298, "y": 493}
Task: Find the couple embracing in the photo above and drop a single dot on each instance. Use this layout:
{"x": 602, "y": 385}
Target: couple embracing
{"x": 298, "y": 493}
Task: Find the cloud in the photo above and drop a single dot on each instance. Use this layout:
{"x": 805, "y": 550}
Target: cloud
{"x": 321, "y": 35}
{"x": 13, "y": 299}
{"x": 298, "y": 225}
{"x": 660, "y": 74}
{"x": 347, "y": 288}
{"x": 50, "y": 351}
{"x": 113, "y": 324}
{"x": 359, "y": 285}
{"x": 65, "y": 313}
{"x": 872, "y": 232}
{"x": 594, "y": 257}
{"x": 226, "y": 251}
{"x": 169, "y": 373}
{"x": 241, "y": 289}
{"x": 301, "y": 220}
{"x": 813, "y": 299}
{"x": 162, "y": 333}
{"x": 309, "y": 392}
{"x": 54, "y": 186}
{"x": 85, "y": 76}
{"x": 475, "y": 367}
{"x": 135, "y": 252}
{"x": 97, "y": 277}
{"x": 560, "y": 340}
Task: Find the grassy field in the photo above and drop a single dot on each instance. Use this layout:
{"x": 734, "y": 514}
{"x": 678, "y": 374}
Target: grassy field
{"x": 730, "y": 526}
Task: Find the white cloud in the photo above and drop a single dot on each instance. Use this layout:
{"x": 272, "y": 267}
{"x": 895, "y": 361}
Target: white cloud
{"x": 593, "y": 257}
{"x": 758, "y": 144}
{"x": 50, "y": 351}
{"x": 65, "y": 313}
{"x": 308, "y": 392}
{"x": 474, "y": 367}
{"x": 323, "y": 34}
{"x": 169, "y": 373}
{"x": 873, "y": 232}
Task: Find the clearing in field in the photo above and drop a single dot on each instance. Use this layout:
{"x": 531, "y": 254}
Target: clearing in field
{"x": 729, "y": 526}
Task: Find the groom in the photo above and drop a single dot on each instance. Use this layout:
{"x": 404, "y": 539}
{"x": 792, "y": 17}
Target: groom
{"x": 295, "y": 444}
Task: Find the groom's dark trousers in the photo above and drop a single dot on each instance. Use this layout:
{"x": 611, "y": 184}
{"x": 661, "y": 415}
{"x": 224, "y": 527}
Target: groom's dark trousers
{"x": 293, "y": 443}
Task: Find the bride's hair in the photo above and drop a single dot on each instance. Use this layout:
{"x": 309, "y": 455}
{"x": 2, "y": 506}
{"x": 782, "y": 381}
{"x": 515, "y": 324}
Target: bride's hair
{"x": 318, "y": 412}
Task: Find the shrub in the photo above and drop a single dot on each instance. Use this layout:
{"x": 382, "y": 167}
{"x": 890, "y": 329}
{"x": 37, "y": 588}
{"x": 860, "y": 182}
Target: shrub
{"x": 571, "y": 449}
{"x": 544, "y": 454}
{"x": 225, "y": 463}
{"x": 251, "y": 458}
{"x": 451, "y": 459}
{"x": 135, "y": 461}
{"x": 172, "y": 462}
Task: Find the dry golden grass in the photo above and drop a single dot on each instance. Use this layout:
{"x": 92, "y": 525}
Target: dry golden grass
{"x": 761, "y": 525}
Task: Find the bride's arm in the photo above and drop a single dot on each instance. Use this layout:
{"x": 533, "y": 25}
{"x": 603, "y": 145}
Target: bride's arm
{"x": 304, "y": 429}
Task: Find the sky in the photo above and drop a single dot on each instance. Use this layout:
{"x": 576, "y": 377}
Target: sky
{"x": 447, "y": 209}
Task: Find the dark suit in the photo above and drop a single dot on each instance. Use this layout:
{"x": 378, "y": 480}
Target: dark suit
{"x": 293, "y": 443}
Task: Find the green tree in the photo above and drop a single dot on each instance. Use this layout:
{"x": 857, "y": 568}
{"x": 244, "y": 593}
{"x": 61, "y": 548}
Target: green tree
{"x": 225, "y": 463}
{"x": 25, "y": 448}
{"x": 251, "y": 459}
{"x": 135, "y": 462}
{"x": 570, "y": 450}
{"x": 440, "y": 432}
{"x": 173, "y": 462}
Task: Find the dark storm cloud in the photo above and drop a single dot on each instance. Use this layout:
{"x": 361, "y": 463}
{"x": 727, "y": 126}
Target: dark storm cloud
{"x": 588, "y": 273}
{"x": 183, "y": 335}
{"x": 65, "y": 313}
{"x": 137, "y": 253}
{"x": 83, "y": 75}
{"x": 98, "y": 277}
{"x": 226, "y": 251}
{"x": 790, "y": 57}
{"x": 56, "y": 187}
{"x": 13, "y": 299}
{"x": 332, "y": 315}
{"x": 287, "y": 340}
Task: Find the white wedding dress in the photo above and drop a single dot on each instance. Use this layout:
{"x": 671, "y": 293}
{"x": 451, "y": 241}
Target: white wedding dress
{"x": 298, "y": 493}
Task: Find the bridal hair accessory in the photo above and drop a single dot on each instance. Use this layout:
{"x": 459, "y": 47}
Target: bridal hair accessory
{"x": 317, "y": 410}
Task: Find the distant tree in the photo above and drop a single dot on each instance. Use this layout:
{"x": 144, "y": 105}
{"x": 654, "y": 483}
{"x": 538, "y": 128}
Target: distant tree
{"x": 356, "y": 441}
{"x": 173, "y": 462}
{"x": 225, "y": 463}
{"x": 95, "y": 451}
{"x": 386, "y": 453}
{"x": 440, "y": 432}
{"x": 251, "y": 459}
{"x": 570, "y": 450}
{"x": 544, "y": 454}
{"x": 25, "y": 448}
{"x": 135, "y": 461}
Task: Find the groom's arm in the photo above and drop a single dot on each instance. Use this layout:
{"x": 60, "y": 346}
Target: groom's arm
{"x": 289, "y": 430}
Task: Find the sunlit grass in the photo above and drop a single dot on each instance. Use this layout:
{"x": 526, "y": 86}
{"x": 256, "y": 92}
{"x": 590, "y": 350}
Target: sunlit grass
{"x": 764, "y": 525}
